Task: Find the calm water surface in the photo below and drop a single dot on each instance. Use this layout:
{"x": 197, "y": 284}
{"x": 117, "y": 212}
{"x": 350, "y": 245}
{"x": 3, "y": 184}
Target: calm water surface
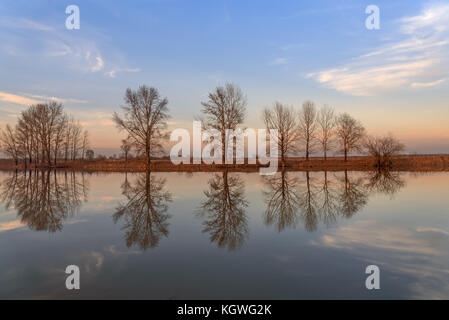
{"x": 224, "y": 235}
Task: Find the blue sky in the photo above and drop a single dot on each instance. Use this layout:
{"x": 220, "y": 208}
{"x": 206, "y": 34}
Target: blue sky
{"x": 394, "y": 79}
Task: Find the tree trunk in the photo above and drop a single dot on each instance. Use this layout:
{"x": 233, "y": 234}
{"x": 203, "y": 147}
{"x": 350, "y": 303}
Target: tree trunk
{"x": 126, "y": 160}
{"x": 223, "y": 149}
{"x": 307, "y": 150}
{"x": 325, "y": 151}
{"x": 148, "y": 157}
{"x": 346, "y": 151}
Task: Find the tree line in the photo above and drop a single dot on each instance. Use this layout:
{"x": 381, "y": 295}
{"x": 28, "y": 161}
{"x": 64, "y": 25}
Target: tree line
{"x": 45, "y": 135}
{"x": 308, "y": 130}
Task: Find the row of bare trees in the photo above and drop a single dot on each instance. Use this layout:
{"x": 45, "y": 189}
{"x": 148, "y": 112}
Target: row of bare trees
{"x": 311, "y": 130}
{"x": 308, "y": 130}
{"x": 43, "y": 135}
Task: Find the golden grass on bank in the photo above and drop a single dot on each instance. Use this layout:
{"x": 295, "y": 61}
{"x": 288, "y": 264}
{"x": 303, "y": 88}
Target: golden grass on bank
{"x": 402, "y": 163}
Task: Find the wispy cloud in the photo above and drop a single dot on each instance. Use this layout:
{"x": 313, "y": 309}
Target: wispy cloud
{"x": 79, "y": 53}
{"x": 112, "y": 73}
{"x": 428, "y": 84}
{"x": 418, "y": 60}
{"x": 28, "y": 99}
{"x": 9, "y": 97}
{"x": 42, "y": 98}
{"x": 23, "y": 23}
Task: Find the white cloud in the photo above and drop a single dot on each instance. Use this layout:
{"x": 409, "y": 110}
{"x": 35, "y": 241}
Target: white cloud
{"x": 435, "y": 17}
{"x": 419, "y": 60}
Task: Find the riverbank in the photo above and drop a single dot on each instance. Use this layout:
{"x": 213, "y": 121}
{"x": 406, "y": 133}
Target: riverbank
{"x": 398, "y": 163}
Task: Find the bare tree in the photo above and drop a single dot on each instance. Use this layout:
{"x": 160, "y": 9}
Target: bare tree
{"x": 9, "y": 143}
{"x": 90, "y": 154}
{"x": 224, "y": 110}
{"x": 75, "y": 139}
{"x": 25, "y": 140}
{"x": 84, "y": 144}
{"x": 59, "y": 136}
{"x": 40, "y": 133}
{"x": 283, "y": 119}
{"x": 382, "y": 148}
{"x": 46, "y": 118}
{"x": 351, "y": 133}
{"x": 126, "y": 148}
{"x": 326, "y": 125}
{"x": 55, "y": 117}
{"x": 307, "y": 126}
{"x": 144, "y": 119}
{"x": 68, "y": 138}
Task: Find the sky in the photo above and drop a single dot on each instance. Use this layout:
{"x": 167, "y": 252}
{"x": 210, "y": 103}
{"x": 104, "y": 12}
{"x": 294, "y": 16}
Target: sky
{"x": 394, "y": 79}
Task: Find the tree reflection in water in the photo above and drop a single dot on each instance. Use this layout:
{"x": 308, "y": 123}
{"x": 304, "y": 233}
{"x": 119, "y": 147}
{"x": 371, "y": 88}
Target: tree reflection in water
{"x": 328, "y": 200}
{"x": 44, "y": 199}
{"x": 282, "y": 200}
{"x": 352, "y": 194}
{"x": 308, "y": 192}
{"x": 224, "y": 211}
{"x": 145, "y": 210}
{"x": 321, "y": 196}
{"x": 385, "y": 182}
